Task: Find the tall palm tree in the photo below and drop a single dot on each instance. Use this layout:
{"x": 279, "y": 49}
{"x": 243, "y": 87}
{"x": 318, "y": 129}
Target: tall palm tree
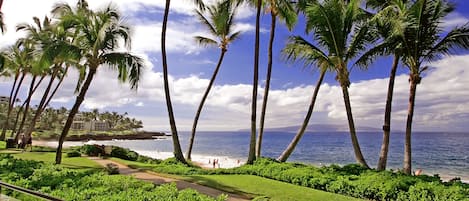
{"x": 172, "y": 121}
{"x": 300, "y": 49}
{"x": 219, "y": 22}
{"x": 285, "y": 11}
{"x": 340, "y": 27}
{"x": 98, "y": 38}
{"x": 55, "y": 51}
{"x": 17, "y": 58}
{"x": 252, "y": 140}
{"x": 389, "y": 22}
{"x": 424, "y": 41}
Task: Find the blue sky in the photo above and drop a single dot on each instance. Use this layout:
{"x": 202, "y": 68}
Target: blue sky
{"x": 442, "y": 98}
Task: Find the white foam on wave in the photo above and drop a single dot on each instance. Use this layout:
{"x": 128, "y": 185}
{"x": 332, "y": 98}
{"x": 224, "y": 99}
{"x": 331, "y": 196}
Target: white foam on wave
{"x": 205, "y": 161}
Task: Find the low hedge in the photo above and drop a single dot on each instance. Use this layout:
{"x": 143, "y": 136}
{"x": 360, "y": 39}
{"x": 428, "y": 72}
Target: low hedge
{"x": 73, "y": 184}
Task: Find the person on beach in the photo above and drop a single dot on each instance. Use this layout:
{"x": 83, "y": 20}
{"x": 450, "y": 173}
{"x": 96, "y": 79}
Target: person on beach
{"x": 213, "y": 163}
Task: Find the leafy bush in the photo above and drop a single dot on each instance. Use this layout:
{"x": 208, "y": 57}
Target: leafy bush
{"x": 92, "y": 150}
{"x": 73, "y": 154}
{"x": 72, "y": 184}
{"x": 123, "y": 153}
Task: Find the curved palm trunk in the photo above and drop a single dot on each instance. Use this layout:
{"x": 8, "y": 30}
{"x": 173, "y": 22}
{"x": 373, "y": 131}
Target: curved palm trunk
{"x": 252, "y": 141}
{"x": 172, "y": 122}
{"x": 41, "y": 105}
{"x": 80, "y": 98}
{"x": 291, "y": 147}
{"x": 57, "y": 86}
{"x": 383, "y": 155}
{"x": 201, "y": 105}
{"x": 356, "y": 146}
{"x": 414, "y": 81}
{"x": 267, "y": 85}
{"x": 32, "y": 89}
{"x": 11, "y": 103}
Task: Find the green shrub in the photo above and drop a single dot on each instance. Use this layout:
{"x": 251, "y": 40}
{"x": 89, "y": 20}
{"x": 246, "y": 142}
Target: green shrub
{"x": 123, "y": 153}
{"x": 73, "y": 154}
{"x": 92, "y": 150}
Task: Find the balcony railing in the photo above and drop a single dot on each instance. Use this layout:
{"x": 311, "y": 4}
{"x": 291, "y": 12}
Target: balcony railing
{"x": 27, "y": 191}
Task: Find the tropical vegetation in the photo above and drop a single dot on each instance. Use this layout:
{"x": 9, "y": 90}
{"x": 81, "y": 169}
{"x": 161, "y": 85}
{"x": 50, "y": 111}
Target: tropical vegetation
{"x": 339, "y": 35}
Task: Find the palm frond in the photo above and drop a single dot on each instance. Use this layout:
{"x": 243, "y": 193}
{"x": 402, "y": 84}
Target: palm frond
{"x": 129, "y": 66}
{"x": 364, "y": 35}
{"x": 300, "y": 50}
{"x": 456, "y": 38}
{"x": 205, "y": 22}
{"x": 204, "y": 41}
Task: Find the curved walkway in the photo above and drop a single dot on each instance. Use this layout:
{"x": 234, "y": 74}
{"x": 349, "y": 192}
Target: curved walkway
{"x": 180, "y": 184}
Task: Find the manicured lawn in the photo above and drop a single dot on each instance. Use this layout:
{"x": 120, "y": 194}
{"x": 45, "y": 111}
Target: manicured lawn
{"x": 271, "y": 189}
{"x": 254, "y": 185}
{"x": 49, "y": 157}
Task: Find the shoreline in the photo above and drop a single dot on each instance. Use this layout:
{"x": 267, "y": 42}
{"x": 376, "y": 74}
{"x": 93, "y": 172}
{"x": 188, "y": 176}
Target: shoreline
{"x": 203, "y": 160}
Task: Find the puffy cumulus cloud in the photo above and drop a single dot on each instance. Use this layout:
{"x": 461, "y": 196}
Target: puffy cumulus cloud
{"x": 442, "y": 100}
{"x": 146, "y": 30}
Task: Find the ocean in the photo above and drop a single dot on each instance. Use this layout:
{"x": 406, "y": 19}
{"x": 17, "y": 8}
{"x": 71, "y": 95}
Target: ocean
{"x": 446, "y": 154}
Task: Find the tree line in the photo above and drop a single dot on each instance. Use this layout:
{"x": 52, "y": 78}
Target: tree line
{"x": 52, "y": 119}
{"x": 339, "y": 35}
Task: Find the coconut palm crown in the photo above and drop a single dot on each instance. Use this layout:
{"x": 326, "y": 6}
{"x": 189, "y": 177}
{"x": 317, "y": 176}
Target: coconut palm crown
{"x": 97, "y": 35}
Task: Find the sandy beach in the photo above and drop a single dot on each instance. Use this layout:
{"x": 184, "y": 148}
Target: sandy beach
{"x": 203, "y": 161}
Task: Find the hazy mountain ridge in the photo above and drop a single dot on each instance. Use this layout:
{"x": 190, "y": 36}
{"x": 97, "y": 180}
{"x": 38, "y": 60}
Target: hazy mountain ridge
{"x": 320, "y": 128}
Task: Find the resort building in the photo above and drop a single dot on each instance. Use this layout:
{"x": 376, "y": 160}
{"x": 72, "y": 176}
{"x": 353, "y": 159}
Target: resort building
{"x": 79, "y": 123}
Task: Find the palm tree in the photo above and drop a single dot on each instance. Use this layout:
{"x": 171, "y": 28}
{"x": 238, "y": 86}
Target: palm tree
{"x": 50, "y": 38}
{"x": 98, "y": 36}
{"x": 423, "y": 41}
{"x": 172, "y": 122}
{"x": 389, "y": 22}
{"x": 252, "y": 140}
{"x": 219, "y": 22}
{"x": 300, "y": 49}
{"x": 16, "y": 58}
{"x": 285, "y": 11}
{"x": 340, "y": 27}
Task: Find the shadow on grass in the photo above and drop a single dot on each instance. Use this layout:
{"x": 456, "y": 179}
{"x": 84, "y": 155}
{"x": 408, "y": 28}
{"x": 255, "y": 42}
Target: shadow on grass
{"x": 214, "y": 184}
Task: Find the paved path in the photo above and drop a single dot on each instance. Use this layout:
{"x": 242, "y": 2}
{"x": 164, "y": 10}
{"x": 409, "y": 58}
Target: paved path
{"x": 180, "y": 184}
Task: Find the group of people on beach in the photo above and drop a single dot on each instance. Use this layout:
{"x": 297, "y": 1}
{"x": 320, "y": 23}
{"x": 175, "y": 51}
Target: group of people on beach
{"x": 214, "y": 163}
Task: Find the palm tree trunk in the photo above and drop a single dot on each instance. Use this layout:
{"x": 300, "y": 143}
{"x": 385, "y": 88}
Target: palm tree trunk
{"x": 172, "y": 122}
{"x": 201, "y": 105}
{"x": 414, "y": 81}
{"x": 80, "y": 98}
{"x": 41, "y": 105}
{"x": 383, "y": 155}
{"x": 291, "y": 147}
{"x": 57, "y": 86}
{"x": 356, "y": 146}
{"x": 252, "y": 141}
{"x": 267, "y": 84}
{"x": 11, "y": 103}
{"x": 28, "y": 101}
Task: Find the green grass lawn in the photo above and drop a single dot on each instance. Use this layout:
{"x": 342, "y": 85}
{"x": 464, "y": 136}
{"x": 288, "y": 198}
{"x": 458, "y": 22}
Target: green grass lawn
{"x": 49, "y": 157}
{"x": 252, "y": 185}
{"x": 271, "y": 189}
{"x": 3, "y": 145}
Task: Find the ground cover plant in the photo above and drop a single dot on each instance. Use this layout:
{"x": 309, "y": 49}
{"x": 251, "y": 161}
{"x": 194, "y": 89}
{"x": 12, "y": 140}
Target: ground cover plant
{"x": 352, "y": 180}
{"x": 85, "y": 184}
